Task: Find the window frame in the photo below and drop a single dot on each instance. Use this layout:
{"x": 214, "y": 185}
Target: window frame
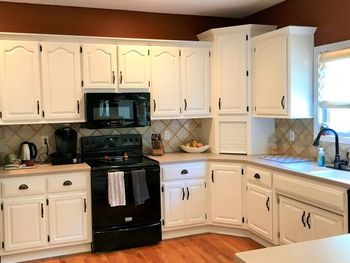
{"x": 317, "y": 109}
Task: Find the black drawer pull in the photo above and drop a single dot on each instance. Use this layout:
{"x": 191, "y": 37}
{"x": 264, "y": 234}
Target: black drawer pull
{"x": 303, "y": 219}
{"x": 188, "y": 193}
{"x": 183, "y": 193}
{"x": 184, "y": 171}
{"x": 268, "y": 204}
{"x": 85, "y": 205}
{"x": 308, "y": 220}
{"x": 257, "y": 176}
{"x": 23, "y": 187}
{"x": 66, "y": 183}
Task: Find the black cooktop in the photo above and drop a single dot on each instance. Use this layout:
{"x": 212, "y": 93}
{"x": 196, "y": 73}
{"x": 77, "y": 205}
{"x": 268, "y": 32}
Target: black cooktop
{"x": 119, "y": 164}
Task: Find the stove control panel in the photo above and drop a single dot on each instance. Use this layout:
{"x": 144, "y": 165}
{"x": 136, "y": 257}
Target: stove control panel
{"x": 107, "y": 142}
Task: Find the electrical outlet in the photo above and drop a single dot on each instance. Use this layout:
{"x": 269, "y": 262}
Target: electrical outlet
{"x": 292, "y": 135}
{"x": 166, "y": 135}
{"x": 44, "y": 139}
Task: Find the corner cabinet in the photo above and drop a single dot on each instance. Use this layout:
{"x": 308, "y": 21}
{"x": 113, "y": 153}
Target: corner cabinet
{"x": 282, "y": 73}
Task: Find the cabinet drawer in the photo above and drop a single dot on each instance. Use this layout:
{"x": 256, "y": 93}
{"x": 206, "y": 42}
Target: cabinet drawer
{"x": 259, "y": 176}
{"x": 67, "y": 182}
{"x": 23, "y": 186}
{"x": 183, "y": 171}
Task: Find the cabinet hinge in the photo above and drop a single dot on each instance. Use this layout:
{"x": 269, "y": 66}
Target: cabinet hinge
{"x": 149, "y": 83}
{"x": 242, "y": 219}
{"x": 82, "y": 83}
{"x": 81, "y": 49}
{"x": 47, "y": 201}
{"x": 43, "y": 113}
{"x": 246, "y": 37}
{"x": 247, "y": 73}
{"x": 180, "y": 110}
{"x": 163, "y": 222}
{"x": 180, "y": 53}
{"x": 279, "y": 234}
{"x": 278, "y": 200}
{"x": 205, "y": 184}
{"x": 48, "y": 238}
{"x": 209, "y": 54}
{"x": 247, "y": 108}
{"x": 254, "y": 49}
{"x": 3, "y": 244}
{"x": 40, "y": 48}
{"x": 205, "y": 216}
{"x": 0, "y": 114}
{"x": 246, "y": 188}
{"x": 255, "y": 108}
{"x": 162, "y": 188}
{"x": 149, "y": 52}
{"x": 209, "y": 109}
{"x": 242, "y": 171}
{"x": 2, "y": 206}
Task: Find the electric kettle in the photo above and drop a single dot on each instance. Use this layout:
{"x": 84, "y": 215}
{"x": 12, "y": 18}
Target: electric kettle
{"x": 27, "y": 151}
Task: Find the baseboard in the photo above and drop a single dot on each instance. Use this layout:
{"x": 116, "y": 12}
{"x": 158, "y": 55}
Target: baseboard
{"x": 46, "y": 253}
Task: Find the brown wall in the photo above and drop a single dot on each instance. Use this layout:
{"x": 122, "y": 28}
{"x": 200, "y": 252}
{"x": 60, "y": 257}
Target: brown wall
{"x": 29, "y": 18}
{"x": 331, "y": 17}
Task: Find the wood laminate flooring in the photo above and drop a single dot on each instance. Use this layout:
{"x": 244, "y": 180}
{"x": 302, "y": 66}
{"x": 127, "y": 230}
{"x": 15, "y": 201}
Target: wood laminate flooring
{"x": 197, "y": 248}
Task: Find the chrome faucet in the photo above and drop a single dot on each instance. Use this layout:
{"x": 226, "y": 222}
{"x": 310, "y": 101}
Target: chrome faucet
{"x": 337, "y": 161}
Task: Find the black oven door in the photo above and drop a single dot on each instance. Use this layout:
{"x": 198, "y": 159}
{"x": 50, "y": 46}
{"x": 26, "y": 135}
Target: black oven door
{"x": 134, "y": 212}
{"x": 117, "y": 110}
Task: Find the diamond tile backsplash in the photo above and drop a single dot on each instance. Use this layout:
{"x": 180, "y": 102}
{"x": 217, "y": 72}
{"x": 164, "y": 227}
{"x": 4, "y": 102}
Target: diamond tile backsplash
{"x": 302, "y": 146}
{"x": 181, "y": 131}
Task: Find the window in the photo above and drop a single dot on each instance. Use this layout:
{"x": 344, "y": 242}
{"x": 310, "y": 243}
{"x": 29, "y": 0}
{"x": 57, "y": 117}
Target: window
{"x": 333, "y": 88}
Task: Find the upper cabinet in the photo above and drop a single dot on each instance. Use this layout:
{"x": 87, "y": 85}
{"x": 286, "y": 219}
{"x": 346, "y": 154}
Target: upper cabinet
{"x": 195, "y": 81}
{"x": 134, "y": 68}
{"x": 62, "y": 91}
{"x": 165, "y": 82}
{"x": 20, "y": 80}
{"x": 100, "y": 66}
{"x": 282, "y": 73}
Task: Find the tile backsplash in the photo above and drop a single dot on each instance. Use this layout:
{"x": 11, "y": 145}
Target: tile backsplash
{"x": 180, "y": 131}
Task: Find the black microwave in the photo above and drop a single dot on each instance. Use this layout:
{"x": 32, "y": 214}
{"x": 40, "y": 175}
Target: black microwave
{"x": 117, "y": 110}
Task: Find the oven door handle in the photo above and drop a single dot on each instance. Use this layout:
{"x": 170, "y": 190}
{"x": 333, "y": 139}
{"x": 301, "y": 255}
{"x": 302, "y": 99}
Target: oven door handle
{"x": 136, "y": 228}
{"x": 129, "y": 171}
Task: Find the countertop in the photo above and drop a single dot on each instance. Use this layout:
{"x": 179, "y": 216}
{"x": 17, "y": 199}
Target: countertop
{"x": 327, "y": 250}
{"x": 45, "y": 169}
{"x": 305, "y": 169}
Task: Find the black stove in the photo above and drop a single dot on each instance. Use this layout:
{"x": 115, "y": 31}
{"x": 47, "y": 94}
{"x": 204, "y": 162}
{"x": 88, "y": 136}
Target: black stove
{"x": 132, "y": 224}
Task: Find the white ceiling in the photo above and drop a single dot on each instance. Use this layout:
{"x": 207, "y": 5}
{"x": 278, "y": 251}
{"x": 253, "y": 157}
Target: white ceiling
{"x": 222, "y": 8}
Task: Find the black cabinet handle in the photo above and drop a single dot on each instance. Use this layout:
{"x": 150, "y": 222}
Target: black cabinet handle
{"x": 154, "y": 105}
{"x": 212, "y": 176}
{"x": 303, "y": 219}
{"x": 67, "y": 183}
{"x": 219, "y": 103}
{"x": 78, "y": 106}
{"x": 282, "y": 102}
{"x": 42, "y": 210}
{"x": 184, "y": 171}
{"x": 23, "y": 187}
{"x": 308, "y": 220}
{"x": 185, "y": 104}
{"x": 84, "y": 205}
{"x": 257, "y": 176}
{"x": 188, "y": 193}
{"x": 268, "y": 203}
{"x": 113, "y": 77}
{"x": 121, "y": 77}
{"x": 183, "y": 193}
{"x": 38, "y": 106}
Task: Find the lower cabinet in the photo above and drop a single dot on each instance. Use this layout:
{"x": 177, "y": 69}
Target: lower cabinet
{"x": 226, "y": 183}
{"x": 300, "y": 222}
{"x": 259, "y": 210}
{"x": 184, "y": 203}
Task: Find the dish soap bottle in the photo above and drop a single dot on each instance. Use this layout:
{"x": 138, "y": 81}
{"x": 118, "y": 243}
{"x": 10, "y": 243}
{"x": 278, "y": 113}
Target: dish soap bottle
{"x": 321, "y": 161}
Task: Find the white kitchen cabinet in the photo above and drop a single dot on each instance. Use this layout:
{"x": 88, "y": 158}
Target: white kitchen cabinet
{"x": 195, "y": 201}
{"x": 259, "y": 210}
{"x": 195, "y": 81}
{"x": 20, "y": 81}
{"x": 99, "y": 67}
{"x": 63, "y": 97}
{"x": 165, "y": 82}
{"x": 68, "y": 218}
{"x": 282, "y": 73}
{"x": 24, "y": 223}
{"x": 226, "y": 194}
{"x": 134, "y": 68}
{"x": 300, "y": 222}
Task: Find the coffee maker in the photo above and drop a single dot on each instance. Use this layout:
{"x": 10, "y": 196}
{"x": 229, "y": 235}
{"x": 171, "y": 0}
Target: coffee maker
{"x": 66, "y": 146}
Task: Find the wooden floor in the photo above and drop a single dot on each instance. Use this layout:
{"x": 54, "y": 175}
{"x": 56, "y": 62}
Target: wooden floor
{"x": 197, "y": 248}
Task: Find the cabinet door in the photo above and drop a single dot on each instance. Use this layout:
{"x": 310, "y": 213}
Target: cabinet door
{"x": 231, "y": 73}
{"x": 292, "y": 220}
{"x": 68, "y": 218}
{"x": 165, "y": 82}
{"x": 270, "y": 76}
{"x": 195, "y": 81}
{"x": 226, "y": 194}
{"x": 174, "y": 204}
{"x": 134, "y": 67}
{"x": 325, "y": 224}
{"x": 259, "y": 210}
{"x": 99, "y": 66}
{"x": 24, "y": 223}
{"x": 62, "y": 92}
{"x": 20, "y": 81}
{"x": 195, "y": 202}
